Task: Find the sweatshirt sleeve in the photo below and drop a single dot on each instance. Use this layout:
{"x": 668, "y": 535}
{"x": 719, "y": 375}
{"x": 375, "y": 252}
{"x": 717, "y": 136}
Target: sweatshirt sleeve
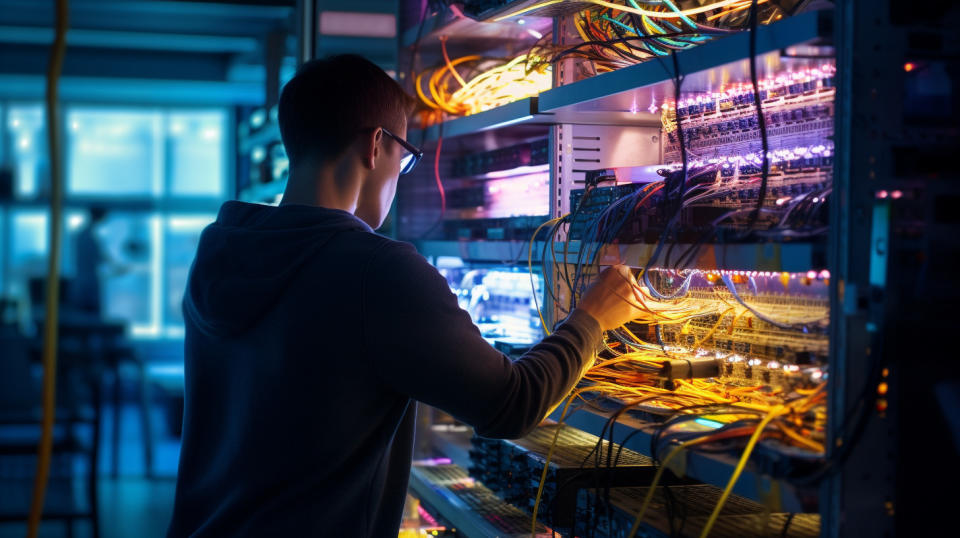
{"x": 419, "y": 342}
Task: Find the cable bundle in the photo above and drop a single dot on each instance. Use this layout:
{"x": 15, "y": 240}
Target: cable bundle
{"x": 616, "y": 35}
{"x": 472, "y": 84}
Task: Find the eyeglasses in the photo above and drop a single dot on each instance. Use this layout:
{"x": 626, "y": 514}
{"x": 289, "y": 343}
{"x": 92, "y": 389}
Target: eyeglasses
{"x": 412, "y": 155}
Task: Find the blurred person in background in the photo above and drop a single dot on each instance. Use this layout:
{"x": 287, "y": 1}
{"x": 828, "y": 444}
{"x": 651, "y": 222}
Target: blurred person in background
{"x": 92, "y": 264}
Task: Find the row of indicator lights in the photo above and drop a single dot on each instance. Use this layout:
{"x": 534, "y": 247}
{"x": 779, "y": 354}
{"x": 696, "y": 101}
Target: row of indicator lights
{"x": 773, "y": 156}
{"x": 823, "y": 275}
{"x": 896, "y": 195}
{"x": 742, "y": 277}
{"x": 882, "y": 389}
{"x": 779, "y": 81}
{"x": 815, "y": 373}
{"x": 785, "y": 199}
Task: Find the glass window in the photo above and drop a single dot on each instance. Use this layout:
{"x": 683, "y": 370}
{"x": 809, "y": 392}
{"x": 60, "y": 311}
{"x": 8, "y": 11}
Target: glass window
{"x": 130, "y": 271}
{"x": 26, "y": 257}
{"x": 197, "y": 152}
{"x": 122, "y": 153}
{"x": 181, "y": 238}
{"x": 114, "y": 152}
{"x": 28, "y": 138}
{"x": 29, "y": 242}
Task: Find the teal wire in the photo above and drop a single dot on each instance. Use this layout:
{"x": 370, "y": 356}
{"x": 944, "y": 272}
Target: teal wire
{"x": 665, "y": 40}
{"x": 686, "y": 19}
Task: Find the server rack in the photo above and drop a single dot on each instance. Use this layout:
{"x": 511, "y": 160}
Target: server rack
{"x": 889, "y": 249}
{"x": 587, "y": 122}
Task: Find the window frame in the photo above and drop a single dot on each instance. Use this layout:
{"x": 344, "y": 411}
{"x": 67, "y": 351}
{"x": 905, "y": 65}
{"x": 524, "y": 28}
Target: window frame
{"x": 158, "y": 209}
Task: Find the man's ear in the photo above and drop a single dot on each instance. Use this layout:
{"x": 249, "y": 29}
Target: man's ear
{"x": 370, "y": 146}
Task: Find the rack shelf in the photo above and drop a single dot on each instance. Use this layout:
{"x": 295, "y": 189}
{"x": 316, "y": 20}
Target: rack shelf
{"x": 465, "y": 31}
{"x": 634, "y": 89}
{"x": 453, "y": 444}
{"x": 627, "y": 96}
{"x": 520, "y": 112}
{"x": 789, "y": 257}
{"x": 471, "y": 508}
{"x": 714, "y": 469}
{"x": 481, "y": 251}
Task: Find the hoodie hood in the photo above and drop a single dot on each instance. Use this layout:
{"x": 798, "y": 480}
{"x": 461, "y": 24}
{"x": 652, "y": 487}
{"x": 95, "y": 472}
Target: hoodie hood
{"x": 249, "y": 255}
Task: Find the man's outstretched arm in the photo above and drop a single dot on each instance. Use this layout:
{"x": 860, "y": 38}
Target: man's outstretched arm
{"x": 419, "y": 342}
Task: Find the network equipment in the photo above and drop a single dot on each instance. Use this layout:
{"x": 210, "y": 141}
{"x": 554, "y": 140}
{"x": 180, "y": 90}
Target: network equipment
{"x": 682, "y": 511}
{"x": 496, "y": 195}
{"x": 579, "y": 460}
{"x": 499, "y": 229}
{"x": 770, "y": 172}
{"x": 447, "y": 485}
{"x": 500, "y": 301}
{"x": 500, "y": 160}
{"x": 797, "y": 106}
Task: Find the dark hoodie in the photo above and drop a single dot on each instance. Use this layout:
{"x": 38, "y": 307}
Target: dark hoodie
{"x": 308, "y": 337}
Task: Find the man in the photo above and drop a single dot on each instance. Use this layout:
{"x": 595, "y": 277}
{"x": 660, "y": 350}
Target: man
{"x": 84, "y": 291}
{"x": 308, "y": 336}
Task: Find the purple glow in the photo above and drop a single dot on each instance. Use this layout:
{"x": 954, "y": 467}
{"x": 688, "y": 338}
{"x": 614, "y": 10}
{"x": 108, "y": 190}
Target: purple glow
{"x": 435, "y": 461}
{"x": 424, "y": 515}
{"x": 518, "y": 171}
{"x": 773, "y": 157}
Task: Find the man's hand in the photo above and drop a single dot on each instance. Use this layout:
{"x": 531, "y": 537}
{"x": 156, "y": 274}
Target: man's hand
{"x": 610, "y": 299}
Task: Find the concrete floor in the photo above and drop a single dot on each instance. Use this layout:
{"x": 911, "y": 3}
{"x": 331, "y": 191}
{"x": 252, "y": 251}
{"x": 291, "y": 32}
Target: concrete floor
{"x": 130, "y": 505}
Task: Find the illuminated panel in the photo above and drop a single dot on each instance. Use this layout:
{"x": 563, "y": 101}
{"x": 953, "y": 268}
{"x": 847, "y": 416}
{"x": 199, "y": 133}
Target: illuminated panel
{"x": 500, "y": 302}
{"x": 765, "y": 328}
{"x": 797, "y": 106}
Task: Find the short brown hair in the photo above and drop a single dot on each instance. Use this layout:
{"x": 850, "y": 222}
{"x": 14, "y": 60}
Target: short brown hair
{"x": 331, "y": 100}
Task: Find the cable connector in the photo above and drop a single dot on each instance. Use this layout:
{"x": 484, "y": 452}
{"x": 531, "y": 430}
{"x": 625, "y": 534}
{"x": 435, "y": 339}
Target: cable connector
{"x": 690, "y": 368}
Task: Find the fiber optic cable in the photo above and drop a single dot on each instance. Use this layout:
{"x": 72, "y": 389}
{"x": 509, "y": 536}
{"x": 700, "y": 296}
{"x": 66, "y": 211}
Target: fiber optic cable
{"x": 775, "y": 412}
{"x": 636, "y": 10}
{"x": 45, "y": 447}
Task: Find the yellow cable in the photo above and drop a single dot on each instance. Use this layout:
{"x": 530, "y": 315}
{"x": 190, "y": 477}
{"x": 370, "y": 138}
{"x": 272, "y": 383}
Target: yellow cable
{"x": 578, "y": 24}
{"x": 494, "y": 87}
{"x": 812, "y": 445}
{"x": 546, "y": 463}
{"x": 423, "y": 96}
{"x": 438, "y": 74}
{"x": 775, "y": 412}
{"x": 631, "y": 335}
{"x": 527, "y": 9}
{"x": 741, "y": 7}
{"x": 446, "y": 58}
{"x": 467, "y": 86}
{"x": 628, "y": 9}
{"x": 653, "y": 485}
{"x": 664, "y": 14}
{"x": 733, "y": 324}
{"x": 45, "y": 447}
{"x": 714, "y": 328}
